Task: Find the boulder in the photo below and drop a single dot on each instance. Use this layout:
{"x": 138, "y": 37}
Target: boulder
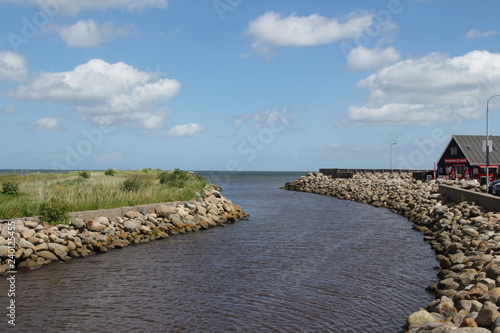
{"x": 487, "y": 316}
{"x": 93, "y": 225}
{"x": 78, "y": 223}
{"x": 47, "y": 255}
{"x": 419, "y": 318}
{"x": 25, "y": 244}
{"x": 30, "y": 224}
{"x": 165, "y": 210}
{"x": 60, "y": 250}
{"x": 471, "y": 330}
{"x": 132, "y": 215}
{"x": 103, "y": 220}
{"x": 28, "y": 263}
{"x": 131, "y": 225}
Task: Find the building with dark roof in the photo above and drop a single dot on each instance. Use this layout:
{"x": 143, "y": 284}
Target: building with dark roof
{"x": 465, "y": 157}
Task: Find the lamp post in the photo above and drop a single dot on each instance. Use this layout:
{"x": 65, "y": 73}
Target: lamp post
{"x": 488, "y": 143}
{"x": 390, "y": 149}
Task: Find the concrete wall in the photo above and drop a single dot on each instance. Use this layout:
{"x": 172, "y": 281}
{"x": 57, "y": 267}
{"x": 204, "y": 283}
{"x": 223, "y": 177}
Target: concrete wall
{"x": 487, "y": 201}
{"x": 109, "y": 213}
{"x": 347, "y": 173}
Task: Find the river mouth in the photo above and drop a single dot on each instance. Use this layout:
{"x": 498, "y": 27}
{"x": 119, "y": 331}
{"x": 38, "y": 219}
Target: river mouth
{"x": 301, "y": 262}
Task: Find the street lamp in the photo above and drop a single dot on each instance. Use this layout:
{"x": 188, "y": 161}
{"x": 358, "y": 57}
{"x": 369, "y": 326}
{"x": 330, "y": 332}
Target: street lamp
{"x": 390, "y": 148}
{"x": 488, "y": 144}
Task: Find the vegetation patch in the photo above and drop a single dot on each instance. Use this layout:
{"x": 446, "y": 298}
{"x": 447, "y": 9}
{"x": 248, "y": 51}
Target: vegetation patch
{"x": 34, "y": 193}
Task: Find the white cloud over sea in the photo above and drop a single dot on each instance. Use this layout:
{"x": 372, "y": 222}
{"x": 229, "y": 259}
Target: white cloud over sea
{"x": 430, "y": 89}
{"x": 105, "y": 94}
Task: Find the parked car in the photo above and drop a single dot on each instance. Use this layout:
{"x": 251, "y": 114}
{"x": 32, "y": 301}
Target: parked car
{"x": 494, "y": 187}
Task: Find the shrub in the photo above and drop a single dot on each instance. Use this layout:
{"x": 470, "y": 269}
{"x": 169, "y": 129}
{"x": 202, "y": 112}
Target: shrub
{"x": 109, "y": 172}
{"x": 84, "y": 174}
{"x": 55, "y": 211}
{"x": 131, "y": 185}
{"x": 10, "y": 188}
{"x": 175, "y": 178}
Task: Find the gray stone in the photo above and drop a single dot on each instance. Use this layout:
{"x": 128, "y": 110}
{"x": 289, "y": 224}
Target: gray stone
{"x": 60, "y": 250}
{"x": 131, "y": 225}
{"x": 25, "y": 244}
{"x": 487, "y": 316}
{"x": 165, "y": 210}
{"x": 103, "y": 220}
{"x": 30, "y": 224}
{"x": 28, "y": 263}
{"x": 133, "y": 215}
{"x": 78, "y": 223}
{"x": 47, "y": 255}
{"x": 93, "y": 225}
{"x": 419, "y": 318}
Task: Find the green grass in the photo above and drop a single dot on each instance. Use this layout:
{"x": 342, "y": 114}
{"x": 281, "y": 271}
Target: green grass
{"x": 98, "y": 191}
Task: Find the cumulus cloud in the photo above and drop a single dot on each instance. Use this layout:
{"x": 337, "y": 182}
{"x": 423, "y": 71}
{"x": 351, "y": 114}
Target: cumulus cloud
{"x": 476, "y": 33}
{"x": 273, "y": 30}
{"x": 73, "y": 7}
{"x": 45, "y": 125}
{"x": 88, "y": 33}
{"x": 362, "y": 58}
{"x": 105, "y": 94}
{"x": 185, "y": 130}
{"x": 434, "y": 88}
{"x": 12, "y": 66}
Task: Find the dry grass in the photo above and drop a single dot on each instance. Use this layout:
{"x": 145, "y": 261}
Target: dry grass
{"x": 97, "y": 192}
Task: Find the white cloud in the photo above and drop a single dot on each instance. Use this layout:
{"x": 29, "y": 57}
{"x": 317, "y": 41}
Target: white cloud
{"x": 12, "y": 66}
{"x": 45, "y": 125}
{"x": 273, "y": 30}
{"x": 476, "y": 33}
{"x": 88, "y": 33}
{"x": 73, "y": 7}
{"x": 105, "y": 94}
{"x": 185, "y": 130}
{"x": 362, "y": 58}
{"x": 434, "y": 88}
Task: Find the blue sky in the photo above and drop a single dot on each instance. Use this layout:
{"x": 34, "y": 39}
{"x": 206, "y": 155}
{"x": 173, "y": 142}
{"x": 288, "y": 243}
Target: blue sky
{"x": 243, "y": 85}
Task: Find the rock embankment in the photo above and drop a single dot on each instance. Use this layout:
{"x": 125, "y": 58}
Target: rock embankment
{"x": 30, "y": 243}
{"x": 466, "y": 239}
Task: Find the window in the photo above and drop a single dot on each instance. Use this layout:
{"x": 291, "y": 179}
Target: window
{"x": 453, "y": 151}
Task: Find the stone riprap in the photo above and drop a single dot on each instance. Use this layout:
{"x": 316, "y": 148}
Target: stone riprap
{"x": 39, "y": 243}
{"x": 465, "y": 237}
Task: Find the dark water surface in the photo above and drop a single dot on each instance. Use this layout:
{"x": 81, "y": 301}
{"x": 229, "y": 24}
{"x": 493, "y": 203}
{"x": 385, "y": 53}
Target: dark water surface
{"x": 301, "y": 263}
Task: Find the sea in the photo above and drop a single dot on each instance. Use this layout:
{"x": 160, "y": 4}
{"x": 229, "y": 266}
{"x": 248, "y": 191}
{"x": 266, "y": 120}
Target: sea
{"x": 301, "y": 262}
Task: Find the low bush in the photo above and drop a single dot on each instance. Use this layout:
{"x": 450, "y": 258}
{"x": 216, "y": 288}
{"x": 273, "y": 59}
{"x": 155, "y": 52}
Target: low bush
{"x": 84, "y": 174}
{"x": 109, "y": 172}
{"x": 176, "y": 178}
{"x": 131, "y": 185}
{"x": 10, "y": 188}
{"x": 55, "y": 211}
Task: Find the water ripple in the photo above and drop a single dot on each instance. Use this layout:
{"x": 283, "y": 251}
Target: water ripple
{"x": 302, "y": 263}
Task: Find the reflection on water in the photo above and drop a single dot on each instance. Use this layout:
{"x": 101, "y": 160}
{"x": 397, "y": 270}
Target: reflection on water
{"x": 301, "y": 263}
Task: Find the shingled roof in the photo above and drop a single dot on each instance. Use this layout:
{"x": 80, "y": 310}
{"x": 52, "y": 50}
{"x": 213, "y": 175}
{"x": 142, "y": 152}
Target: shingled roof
{"x": 472, "y": 147}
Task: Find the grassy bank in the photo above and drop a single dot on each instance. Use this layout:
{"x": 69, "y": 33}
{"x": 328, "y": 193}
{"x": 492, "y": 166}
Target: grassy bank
{"x": 35, "y": 193}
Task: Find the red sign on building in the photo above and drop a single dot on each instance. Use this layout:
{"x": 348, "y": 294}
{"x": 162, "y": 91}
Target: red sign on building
{"x": 455, "y": 160}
